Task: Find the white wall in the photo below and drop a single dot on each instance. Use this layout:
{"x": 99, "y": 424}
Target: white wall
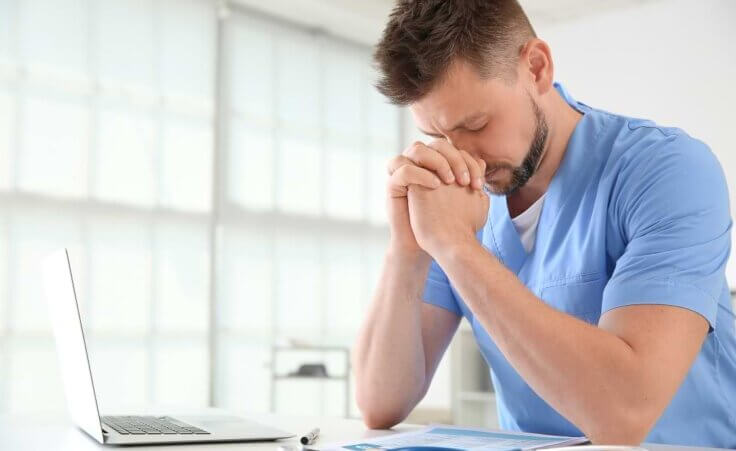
{"x": 361, "y": 22}
{"x": 670, "y": 61}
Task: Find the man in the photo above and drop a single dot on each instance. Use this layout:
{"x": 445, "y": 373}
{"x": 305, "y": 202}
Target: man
{"x": 593, "y": 276}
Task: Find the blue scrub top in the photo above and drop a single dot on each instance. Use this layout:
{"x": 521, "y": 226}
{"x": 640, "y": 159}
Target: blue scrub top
{"x": 635, "y": 214}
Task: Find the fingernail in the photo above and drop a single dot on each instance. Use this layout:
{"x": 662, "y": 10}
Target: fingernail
{"x": 479, "y": 182}
{"x": 450, "y": 177}
{"x": 436, "y": 182}
{"x": 466, "y": 178}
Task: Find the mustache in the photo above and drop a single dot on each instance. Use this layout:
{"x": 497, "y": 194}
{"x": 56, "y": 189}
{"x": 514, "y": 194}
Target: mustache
{"x": 491, "y": 168}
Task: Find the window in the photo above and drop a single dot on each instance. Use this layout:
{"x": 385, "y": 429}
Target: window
{"x": 108, "y": 147}
{"x": 106, "y": 144}
{"x": 301, "y": 223}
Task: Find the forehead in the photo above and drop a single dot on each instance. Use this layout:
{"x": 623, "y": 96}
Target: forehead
{"x": 461, "y": 94}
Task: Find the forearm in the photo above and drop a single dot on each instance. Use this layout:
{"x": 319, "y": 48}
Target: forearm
{"x": 589, "y": 375}
{"x": 389, "y": 359}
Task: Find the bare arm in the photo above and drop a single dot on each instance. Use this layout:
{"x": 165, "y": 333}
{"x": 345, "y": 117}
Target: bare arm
{"x": 400, "y": 344}
{"x": 612, "y": 381}
{"x": 403, "y": 339}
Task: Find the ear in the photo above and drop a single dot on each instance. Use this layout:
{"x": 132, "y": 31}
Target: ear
{"x": 536, "y": 60}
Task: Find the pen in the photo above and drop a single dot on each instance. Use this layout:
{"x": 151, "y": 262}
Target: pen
{"x": 309, "y": 437}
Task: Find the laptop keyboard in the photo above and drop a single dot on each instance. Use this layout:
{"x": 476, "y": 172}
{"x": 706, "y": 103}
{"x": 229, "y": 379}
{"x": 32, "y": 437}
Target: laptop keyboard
{"x": 137, "y": 425}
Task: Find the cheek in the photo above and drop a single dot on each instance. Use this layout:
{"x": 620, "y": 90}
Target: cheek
{"x": 503, "y": 143}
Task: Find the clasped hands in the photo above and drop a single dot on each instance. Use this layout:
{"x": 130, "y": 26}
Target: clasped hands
{"x": 435, "y": 198}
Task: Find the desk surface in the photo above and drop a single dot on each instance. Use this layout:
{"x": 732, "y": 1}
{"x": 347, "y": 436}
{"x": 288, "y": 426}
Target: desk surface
{"x": 54, "y": 433}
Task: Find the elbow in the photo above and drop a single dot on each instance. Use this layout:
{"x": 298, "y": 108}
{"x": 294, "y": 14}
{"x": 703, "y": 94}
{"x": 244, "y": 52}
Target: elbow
{"x": 384, "y": 403}
{"x": 627, "y": 437}
{"x": 374, "y": 419}
{"x": 379, "y": 410}
{"x": 379, "y": 413}
{"x": 626, "y": 427}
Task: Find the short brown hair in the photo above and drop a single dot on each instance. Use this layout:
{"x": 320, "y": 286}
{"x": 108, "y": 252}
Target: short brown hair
{"x": 423, "y": 37}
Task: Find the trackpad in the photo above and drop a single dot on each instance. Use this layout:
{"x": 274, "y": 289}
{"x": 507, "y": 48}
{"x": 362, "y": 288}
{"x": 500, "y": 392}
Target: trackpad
{"x": 214, "y": 423}
{"x": 220, "y": 420}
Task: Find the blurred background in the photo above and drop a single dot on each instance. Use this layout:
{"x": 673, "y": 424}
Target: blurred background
{"x": 216, "y": 170}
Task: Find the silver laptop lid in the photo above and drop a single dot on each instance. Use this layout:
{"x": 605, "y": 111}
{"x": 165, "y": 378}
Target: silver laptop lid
{"x": 70, "y": 343}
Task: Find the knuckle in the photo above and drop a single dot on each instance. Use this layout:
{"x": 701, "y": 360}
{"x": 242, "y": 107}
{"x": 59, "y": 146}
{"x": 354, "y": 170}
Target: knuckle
{"x": 414, "y": 149}
{"x": 397, "y": 162}
{"x": 421, "y": 156}
{"x": 405, "y": 172}
{"x": 400, "y": 170}
{"x": 394, "y": 161}
{"x": 411, "y": 152}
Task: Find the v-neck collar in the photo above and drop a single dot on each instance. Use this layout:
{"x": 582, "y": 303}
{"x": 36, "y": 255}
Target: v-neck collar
{"x": 576, "y": 169}
{"x": 503, "y": 236}
{"x": 501, "y": 233}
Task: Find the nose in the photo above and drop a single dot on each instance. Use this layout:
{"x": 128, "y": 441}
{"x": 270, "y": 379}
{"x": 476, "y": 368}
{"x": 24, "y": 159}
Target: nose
{"x": 463, "y": 143}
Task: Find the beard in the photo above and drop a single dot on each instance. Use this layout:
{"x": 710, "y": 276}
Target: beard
{"x": 520, "y": 175}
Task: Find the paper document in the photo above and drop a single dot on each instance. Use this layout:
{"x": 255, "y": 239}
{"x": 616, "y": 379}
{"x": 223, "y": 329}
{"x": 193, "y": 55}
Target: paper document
{"x": 458, "y": 438}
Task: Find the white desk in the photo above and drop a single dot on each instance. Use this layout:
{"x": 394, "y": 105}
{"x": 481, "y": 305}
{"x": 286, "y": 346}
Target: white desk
{"x": 45, "y": 433}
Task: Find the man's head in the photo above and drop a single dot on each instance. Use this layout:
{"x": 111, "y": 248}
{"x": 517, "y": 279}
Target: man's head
{"x": 472, "y": 72}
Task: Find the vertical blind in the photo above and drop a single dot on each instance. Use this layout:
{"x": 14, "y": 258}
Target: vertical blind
{"x": 115, "y": 143}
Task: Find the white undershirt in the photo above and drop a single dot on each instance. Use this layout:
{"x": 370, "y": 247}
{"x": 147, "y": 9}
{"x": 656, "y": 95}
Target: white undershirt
{"x": 526, "y": 224}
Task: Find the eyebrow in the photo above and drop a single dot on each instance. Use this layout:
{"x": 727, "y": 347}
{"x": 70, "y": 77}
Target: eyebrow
{"x": 459, "y": 125}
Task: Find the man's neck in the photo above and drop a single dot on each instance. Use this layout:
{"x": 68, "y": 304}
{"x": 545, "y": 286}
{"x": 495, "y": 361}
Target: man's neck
{"x": 561, "y": 120}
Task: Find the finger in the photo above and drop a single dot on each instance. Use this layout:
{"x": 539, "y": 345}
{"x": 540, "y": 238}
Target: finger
{"x": 410, "y": 174}
{"x": 454, "y": 158}
{"x": 483, "y": 167}
{"x": 428, "y": 158}
{"x": 396, "y": 162}
{"x": 474, "y": 169}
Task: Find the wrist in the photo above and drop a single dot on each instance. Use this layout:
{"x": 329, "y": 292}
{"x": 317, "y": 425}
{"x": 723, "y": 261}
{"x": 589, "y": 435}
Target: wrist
{"x": 456, "y": 249}
{"x": 407, "y": 255}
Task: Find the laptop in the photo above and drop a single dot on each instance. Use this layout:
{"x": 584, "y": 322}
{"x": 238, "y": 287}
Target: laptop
{"x": 80, "y": 390}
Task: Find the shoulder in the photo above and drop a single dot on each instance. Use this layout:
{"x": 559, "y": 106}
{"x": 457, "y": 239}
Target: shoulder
{"x": 657, "y": 172}
{"x": 644, "y": 142}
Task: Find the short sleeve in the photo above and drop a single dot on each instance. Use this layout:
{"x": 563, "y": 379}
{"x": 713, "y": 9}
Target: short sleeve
{"x": 437, "y": 290}
{"x": 673, "y": 212}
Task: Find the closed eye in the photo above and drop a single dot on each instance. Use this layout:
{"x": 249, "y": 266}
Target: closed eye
{"x": 434, "y": 135}
{"x": 477, "y": 129}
